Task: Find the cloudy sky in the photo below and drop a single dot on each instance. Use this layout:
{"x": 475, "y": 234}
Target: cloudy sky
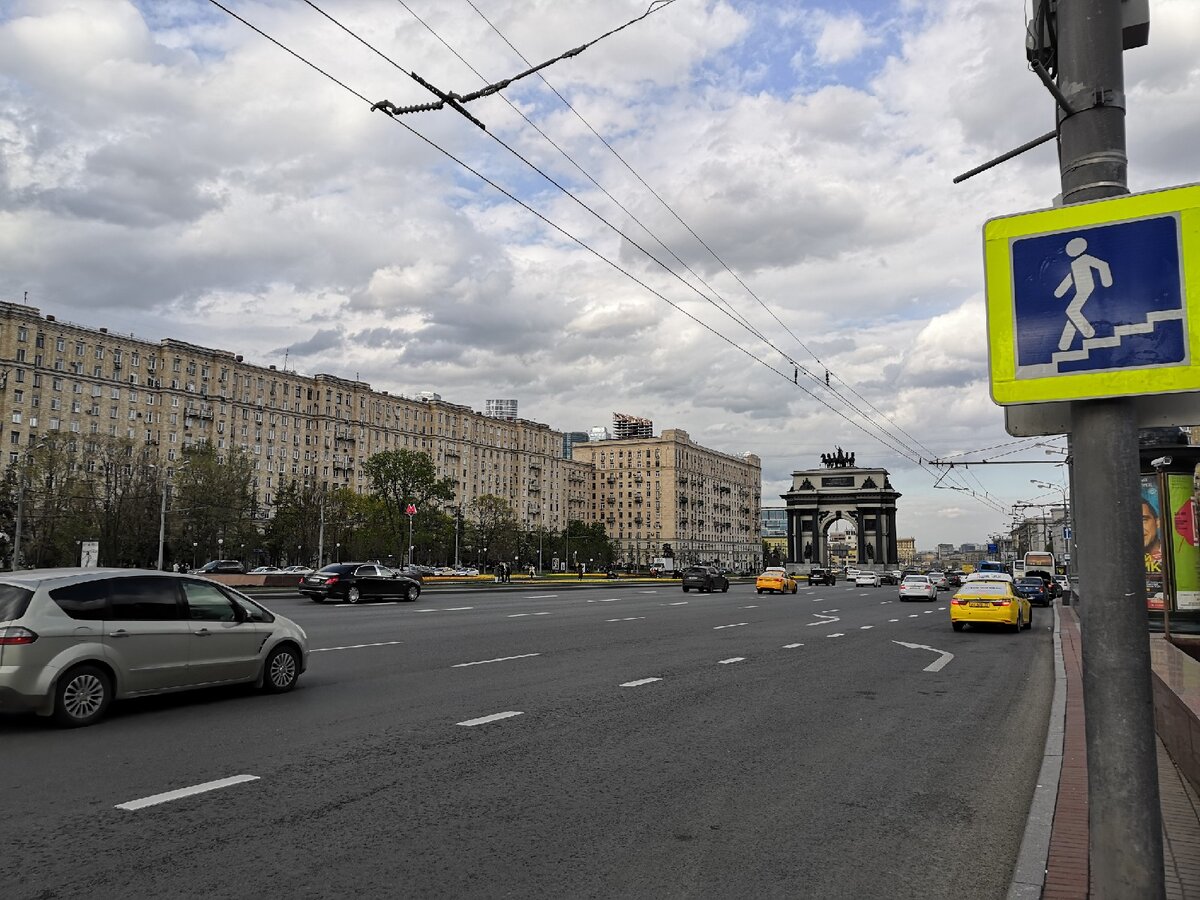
{"x": 741, "y": 186}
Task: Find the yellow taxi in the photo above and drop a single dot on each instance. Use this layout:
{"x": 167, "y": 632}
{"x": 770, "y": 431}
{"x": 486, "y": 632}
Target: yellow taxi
{"x": 990, "y": 602}
{"x": 776, "y": 579}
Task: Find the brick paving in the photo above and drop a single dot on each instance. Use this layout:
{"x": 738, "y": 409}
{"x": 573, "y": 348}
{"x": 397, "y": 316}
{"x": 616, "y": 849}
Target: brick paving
{"x": 1067, "y": 866}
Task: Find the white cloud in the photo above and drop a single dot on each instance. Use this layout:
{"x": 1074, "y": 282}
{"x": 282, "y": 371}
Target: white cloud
{"x": 164, "y": 170}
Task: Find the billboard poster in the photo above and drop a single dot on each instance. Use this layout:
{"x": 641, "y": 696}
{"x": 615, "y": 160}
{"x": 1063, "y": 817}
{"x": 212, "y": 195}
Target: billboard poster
{"x": 1180, "y": 516}
{"x": 1152, "y": 544}
{"x": 1185, "y": 559}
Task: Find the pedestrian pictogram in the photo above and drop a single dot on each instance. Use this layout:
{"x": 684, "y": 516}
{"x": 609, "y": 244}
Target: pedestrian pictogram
{"x": 1095, "y": 299}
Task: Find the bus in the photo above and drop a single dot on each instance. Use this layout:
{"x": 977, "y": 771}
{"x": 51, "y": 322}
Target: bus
{"x": 1041, "y": 563}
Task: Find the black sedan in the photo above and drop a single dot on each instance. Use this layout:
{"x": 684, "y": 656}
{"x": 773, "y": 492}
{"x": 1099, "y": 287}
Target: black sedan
{"x": 704, "y": 578}
{"x": 1034, "y": 590}
{"x": 354, "y": 582}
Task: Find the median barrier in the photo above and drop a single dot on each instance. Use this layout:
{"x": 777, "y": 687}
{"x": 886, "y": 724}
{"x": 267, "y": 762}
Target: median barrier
{"x": 1176, "y": 681}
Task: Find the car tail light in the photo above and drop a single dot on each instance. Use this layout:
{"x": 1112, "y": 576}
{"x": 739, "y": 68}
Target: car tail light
{"x": 332, "y": 579}
{"x": 956, "y": 602}
{"x": 15, "y": 634}
{"x": 1001, "y": 602}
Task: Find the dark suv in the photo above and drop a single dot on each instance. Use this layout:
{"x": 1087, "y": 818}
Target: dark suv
{"x": 704, "y": 578}
{"x": 820, "y": 575}
{"x": 222, "y": 567}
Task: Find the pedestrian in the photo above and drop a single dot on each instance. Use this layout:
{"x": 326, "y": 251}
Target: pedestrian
{"x": 175, "y": 567}
{"x": 580, "y": 571}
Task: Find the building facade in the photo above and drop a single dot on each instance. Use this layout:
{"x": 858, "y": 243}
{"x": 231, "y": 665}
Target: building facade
{"x": 500, "y": 409}
{"x": 669, "y": 490}
{"x": 906, "y": 551}
{"x": 61, "y": 378}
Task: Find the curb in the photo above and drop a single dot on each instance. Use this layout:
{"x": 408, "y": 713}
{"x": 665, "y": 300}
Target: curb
{"x": 1029, "y": 876}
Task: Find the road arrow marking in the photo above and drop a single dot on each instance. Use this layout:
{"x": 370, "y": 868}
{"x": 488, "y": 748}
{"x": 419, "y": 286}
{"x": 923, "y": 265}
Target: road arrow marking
{"x": 829, "y": 620}
{"x": 938, "y": 664}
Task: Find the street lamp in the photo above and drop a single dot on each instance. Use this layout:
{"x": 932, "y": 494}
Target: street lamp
{"x": 195, "y": 544}
{"x": 162, "y": 514}
{"x": 220, "y": 548}
{"x": 339, "y": 551}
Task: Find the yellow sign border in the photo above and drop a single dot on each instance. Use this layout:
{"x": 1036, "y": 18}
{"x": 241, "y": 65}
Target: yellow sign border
{"x": 998, "y": 234}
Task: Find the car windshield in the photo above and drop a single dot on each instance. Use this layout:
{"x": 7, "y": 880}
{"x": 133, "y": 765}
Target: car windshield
{"x": 1031, "y": 582}
{"x": 987, "y": 589}
{"x": 773, "y": 571}
{"x": 337, "y": 569}
{"x": 916, "y": 579}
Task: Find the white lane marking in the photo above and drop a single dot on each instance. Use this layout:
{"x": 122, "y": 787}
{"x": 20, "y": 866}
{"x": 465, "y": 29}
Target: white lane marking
{"x": 862, "y": 595}
{"x": 732, "y": 659}
{"x": 458, "y": 608}
{"x": 937, "y": 664}
{"x": 942, "y": 608}
{"x": 829, "y": 620}
{"x": 541, "y": 596}
{"x": 542, "y": 614}
{"x": 885, "y": 601}
{"x": 893, "y": 620}
{"x": 678, "y": 603}
{"x": 519, "y": 615}
{"x": 927, "y": 611}
{"x": 494, "y": 717}
{"x": 865, "y": 627}
{"x": 156, "y": 799}
{"x": 749, "y": 607}
{"x": 640, "y": 682}
{"x": 734, "y": 625}
{"x": 839, "y": 634}
{"x": 648, "y": 592}
{"x": 355, "y": 646}
{"x": 791, "y": 646}
{"x": 629, "y": 619}
{"x": 913, "y": 616}
{"x": 608, "y": 600}
{"x": 484, "y": 662}
{"x": 426, "y": 610}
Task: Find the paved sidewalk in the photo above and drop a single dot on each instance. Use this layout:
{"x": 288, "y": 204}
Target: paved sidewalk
{"x": 1067, "y": 868}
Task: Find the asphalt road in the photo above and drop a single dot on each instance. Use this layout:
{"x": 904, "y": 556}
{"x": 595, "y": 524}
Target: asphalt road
{"x": 658, "y": 744}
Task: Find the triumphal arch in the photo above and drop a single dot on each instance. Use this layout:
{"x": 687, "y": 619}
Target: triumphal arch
{"x": 841, "y": 490}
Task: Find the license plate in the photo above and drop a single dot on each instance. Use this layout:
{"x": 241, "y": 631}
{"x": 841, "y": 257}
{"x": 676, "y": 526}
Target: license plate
{"x": 979, "y": 605}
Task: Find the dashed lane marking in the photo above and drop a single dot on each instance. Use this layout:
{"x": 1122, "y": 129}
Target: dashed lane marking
{"x": 865, "y": 627}
{"x": 838, "y": 634}
{"x": 732, "y": 659}
{"x": 541, "y": 597}
{"x": 484, "y": 662}
{"x": 941, "y": 609}
{"x": 791, "y": 646}
{"x": 356, "y": 646}
{"x": 912, "y": 615}
{"x": 678, "y": 603}
{"x": 168, "y": 796}
{"x": 749, "y": 607}
{"x": 519, "y": 615}
{"x": 893, "y": 620}
{"x": 629, "y": 619}
{"x": 640, "y": 682}
{"x": 494, "y": 717}
{"x": 734, "y": 625}
{"x": 457, "y": 608}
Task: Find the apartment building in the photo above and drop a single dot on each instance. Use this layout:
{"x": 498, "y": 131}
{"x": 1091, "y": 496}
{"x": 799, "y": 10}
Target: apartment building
{"x": 62, "y": 378}
{"x": 669, "y": 490}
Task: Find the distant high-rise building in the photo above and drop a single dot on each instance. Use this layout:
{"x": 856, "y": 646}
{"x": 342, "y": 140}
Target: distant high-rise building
{"x": 598, "y": 433}
{"x": 570, "y": 439}
{"x": 500, "y": 409}
{"x": 626, "y": 427}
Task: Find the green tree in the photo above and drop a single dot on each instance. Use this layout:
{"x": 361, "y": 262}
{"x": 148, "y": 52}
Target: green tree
{"x": 491, "y": 528}
{"x": 403, "y": 478}
{"x": 214, "y": 506}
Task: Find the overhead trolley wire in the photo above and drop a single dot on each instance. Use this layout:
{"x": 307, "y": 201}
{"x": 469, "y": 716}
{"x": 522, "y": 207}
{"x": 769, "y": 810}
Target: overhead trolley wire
{"x": 886, "y": 442}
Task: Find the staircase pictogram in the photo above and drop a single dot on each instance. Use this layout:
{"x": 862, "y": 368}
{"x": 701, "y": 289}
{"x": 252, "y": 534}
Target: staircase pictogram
{"x": 1114, "y": 340}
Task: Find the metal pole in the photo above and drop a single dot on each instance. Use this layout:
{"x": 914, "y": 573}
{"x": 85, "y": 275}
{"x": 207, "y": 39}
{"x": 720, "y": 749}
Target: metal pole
{"x": 457, "y": 511}
{"x": 17, "y": 530}
{"x": 321, "y": 538}
{"x": 1125, "y": 822}
{"x": 162, "y": 524}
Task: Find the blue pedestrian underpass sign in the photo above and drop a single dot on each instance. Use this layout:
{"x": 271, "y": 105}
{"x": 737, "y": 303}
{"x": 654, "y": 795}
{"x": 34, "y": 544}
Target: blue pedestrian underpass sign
{"x": 1095, "y": 299}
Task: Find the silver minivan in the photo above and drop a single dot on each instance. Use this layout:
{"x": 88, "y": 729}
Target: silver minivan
{"x": 74, "y": 640}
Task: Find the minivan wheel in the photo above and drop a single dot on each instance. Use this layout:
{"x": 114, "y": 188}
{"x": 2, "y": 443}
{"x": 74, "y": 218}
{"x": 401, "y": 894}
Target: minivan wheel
{"x": 82, "y": 696}
{"x": 281, "y": 670}
{"x": 353, "y": 595}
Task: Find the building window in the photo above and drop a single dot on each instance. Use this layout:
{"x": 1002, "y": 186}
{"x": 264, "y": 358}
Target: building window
{"x": 16, "y": 417}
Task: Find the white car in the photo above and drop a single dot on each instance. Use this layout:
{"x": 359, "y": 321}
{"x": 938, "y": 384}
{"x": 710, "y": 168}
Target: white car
{"x": 265, "y": 570}
{"x": 918, "y": 587}
{"x": 466, "y": 572}
{"x": 867, "y": 579}
{"x": 297, "y": 570}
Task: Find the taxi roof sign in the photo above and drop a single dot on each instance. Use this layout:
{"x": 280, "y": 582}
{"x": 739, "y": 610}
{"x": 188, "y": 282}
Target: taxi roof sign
{"x": 1094, "y": 300}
